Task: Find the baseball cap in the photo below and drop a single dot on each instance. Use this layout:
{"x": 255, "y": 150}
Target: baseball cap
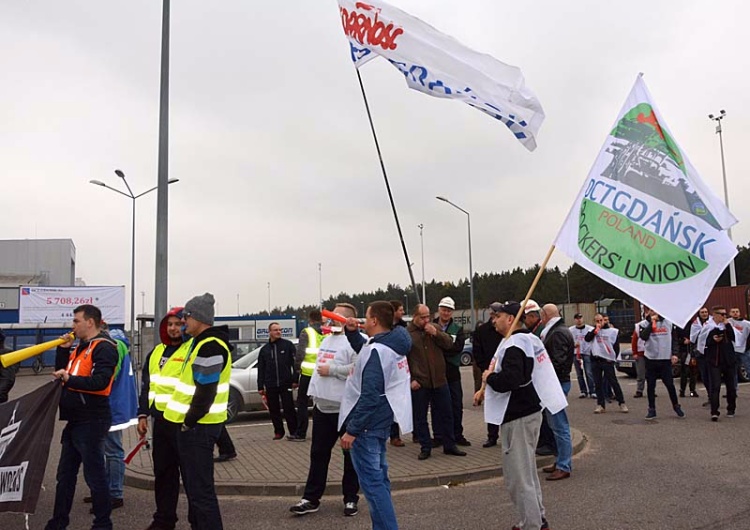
{"x": 531, "y": 306}
{"x": 511, "y": 308}
{"x": 578, "y": 315}
{"x": 447, "y": 302}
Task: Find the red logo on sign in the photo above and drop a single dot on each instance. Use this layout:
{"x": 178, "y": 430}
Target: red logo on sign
{"x": 368, "y": 30}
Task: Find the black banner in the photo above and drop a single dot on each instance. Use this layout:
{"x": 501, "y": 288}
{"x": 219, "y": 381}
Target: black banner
{"x": 26, "y": 428}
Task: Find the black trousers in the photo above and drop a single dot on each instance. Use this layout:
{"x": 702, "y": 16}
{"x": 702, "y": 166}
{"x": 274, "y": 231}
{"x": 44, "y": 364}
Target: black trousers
{"x": 717, "y": 374}
{"x": 655, "y": 370}
{"x": 166, "y": 459}
{"x": 224, "y": 443}
{"x": 604, "y": 369}
{"x": 688, "y": 372}
{"x": 302, "y": 401}
{"x": 278, "y": 397}
{"x": 457, "y": 407}
{"x": 325, "y": 435}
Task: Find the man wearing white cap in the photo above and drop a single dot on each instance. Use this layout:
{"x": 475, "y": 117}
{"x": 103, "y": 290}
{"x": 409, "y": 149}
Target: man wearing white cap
{"x": 533, "y": 317}
{"x": 452, "y": 368}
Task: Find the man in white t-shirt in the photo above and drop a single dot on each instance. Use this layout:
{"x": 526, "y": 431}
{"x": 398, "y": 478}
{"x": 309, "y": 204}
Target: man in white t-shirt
{"x": 741, "y": 333}
{"x": 334, "y": 362}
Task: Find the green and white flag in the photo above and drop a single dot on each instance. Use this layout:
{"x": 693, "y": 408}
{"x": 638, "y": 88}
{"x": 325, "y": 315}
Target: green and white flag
{"x": 644, "y": 220}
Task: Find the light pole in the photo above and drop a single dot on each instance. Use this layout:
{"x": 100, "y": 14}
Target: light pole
{"x": 406, "y": 302}
{"x": 471, "y": 269}
{"x": 269, "y": 299}
{"x": 133, "y": 198}
{"x": 320, "y": 284}
{"x": 421, "y": 240}
{"x": 717, "y": 119}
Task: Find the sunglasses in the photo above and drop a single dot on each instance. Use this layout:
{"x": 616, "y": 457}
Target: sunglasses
{"x": 721, "y": 313}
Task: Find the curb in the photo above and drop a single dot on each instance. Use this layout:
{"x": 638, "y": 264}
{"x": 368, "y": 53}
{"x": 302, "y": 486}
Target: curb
{"x": 286, "y": 489}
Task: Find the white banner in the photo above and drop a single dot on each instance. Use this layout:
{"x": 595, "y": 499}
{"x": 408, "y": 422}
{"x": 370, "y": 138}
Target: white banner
{"x": 56, "y": 304}
{"x": 288, "y": 328}
{"x": 644, "y": 221}
{"x": 439, "y": 65}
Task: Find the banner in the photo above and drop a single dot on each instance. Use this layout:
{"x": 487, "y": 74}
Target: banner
{"x": 439, "y": 65}
{"x": 55, "y": 304}
{"x": 26, "y": 428}
{"x": 644, "y": 221}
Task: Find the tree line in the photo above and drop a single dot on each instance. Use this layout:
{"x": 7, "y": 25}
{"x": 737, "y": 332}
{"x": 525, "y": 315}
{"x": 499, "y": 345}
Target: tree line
{"x": 574, "y": 285}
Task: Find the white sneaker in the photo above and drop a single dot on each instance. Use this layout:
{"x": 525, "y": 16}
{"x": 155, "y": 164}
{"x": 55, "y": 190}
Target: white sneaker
{"x": 599, "y": 410}
{"x": 624, "y": 408}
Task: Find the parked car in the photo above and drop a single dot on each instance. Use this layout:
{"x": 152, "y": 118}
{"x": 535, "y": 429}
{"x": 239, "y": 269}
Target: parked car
{"x": 243, "y": 384}
{"x": 467, "y": 354}
{"x": 626, "y": 362}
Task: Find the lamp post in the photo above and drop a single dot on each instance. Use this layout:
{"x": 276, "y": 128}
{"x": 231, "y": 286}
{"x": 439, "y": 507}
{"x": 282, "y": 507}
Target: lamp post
{"x": 406, "y": 303}
{"x": 269, "y": 299}
{"x": 421, "y": 241}
{"x": 320, "y": 284}
{"x": 471, "y": 269}
{"x": 717, "y": 119}
{"x": 133, "y": 198}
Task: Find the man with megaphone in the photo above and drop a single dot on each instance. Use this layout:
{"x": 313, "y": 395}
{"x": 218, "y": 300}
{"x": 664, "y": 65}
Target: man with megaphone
{"x": 86, "y": 372}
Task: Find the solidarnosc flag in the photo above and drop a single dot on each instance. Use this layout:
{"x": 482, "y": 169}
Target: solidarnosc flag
{"x": 644, "y": 221}
{"x": 440, "y": 66}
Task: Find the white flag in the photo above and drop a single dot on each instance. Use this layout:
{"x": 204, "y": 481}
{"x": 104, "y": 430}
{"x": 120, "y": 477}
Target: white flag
{"x": 440, "y": 66}
{"x": 644, "y": 221}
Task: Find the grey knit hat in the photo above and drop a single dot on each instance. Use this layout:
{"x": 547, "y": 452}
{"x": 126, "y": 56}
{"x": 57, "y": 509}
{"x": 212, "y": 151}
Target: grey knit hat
{"x": 201, "y": 308}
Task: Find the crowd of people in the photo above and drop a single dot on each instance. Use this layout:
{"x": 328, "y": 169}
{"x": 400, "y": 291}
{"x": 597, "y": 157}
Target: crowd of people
{"x": 372, "y": 381}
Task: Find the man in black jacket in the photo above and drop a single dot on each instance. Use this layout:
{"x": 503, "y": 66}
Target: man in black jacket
{"x": 560, "y": 346}
{"x": 516, "y": 404}
{"x": 7, "y": 375}
{"x": 276, "y": 377}
{"x": 721, "y": 361}
{"x": 86, "y": 374}
{"x": 484, "y": 346}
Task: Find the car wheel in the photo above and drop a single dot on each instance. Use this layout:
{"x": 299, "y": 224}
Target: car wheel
{"x": 743, "y": 375}
{"x": 676, "y": 370}
{"x": 234, "y": 406}
{"x": 465, "y": 359}
{"x": 38, "y": 365}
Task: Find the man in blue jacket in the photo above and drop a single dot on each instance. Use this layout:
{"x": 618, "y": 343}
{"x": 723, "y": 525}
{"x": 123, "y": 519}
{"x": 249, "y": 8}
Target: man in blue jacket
{"x": 377, "y": 392}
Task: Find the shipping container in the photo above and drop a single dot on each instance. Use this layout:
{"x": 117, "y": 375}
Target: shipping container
{"x": 728, "y": 297}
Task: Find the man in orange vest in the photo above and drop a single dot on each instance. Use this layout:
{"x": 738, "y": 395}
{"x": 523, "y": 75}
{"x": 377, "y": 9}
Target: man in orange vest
{"x": 86, "y": 373}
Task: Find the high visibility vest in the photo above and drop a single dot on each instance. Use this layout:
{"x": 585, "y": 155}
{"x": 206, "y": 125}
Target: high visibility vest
{"x": 184, "y": 391}
{"x": 311, "y": 351}
{"x": 80, "y": 363}
{"x": 163, "y": 380}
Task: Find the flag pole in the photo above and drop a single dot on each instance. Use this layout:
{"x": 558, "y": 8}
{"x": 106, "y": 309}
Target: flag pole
{"x": 388, "y": 187}
{"x": 479, "y": 396}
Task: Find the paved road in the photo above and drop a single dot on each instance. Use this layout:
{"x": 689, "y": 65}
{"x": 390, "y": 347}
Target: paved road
{"x": 686, "y": 474}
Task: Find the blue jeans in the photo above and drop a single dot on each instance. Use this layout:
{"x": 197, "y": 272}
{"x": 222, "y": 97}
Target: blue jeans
{"x": 196, "y": 448}
{"x": 82, "y": 443}
{"x": 561, "y": 428}
{"x": 368, "y": 457}
{"x": 114, "y": 455}
{"x": 442, "y": 414}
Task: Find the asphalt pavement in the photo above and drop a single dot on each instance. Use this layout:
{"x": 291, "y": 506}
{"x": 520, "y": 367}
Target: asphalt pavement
{"x": 630, "y": 474}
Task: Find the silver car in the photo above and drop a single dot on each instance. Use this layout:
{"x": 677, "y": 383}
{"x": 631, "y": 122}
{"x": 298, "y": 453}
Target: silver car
{"x": 243, "y": 384}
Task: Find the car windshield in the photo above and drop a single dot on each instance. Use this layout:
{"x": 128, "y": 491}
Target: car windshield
{"x": 247, "y": 359}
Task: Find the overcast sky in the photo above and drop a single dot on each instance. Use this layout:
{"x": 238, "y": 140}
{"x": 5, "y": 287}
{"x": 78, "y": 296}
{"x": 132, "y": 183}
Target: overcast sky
{"x": 270, "y": 140}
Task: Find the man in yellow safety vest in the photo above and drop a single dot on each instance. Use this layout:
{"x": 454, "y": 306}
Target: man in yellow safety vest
{"x": 199, "y": 406}
{"x": 307, "y": 355}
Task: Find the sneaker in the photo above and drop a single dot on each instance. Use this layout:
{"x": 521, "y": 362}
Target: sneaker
{"x": 651, "y": 415}
{"x": 295, "y": 438}
{"x": 678, "y": 410}
{"x": 624, "y": 408}
{"x": 714, "y": 417}
{"x": 304, "y": 507}
{"x": 545, "y": 525}
{"x": 224, "y": 458}
{"x": 599, "y": 410}
{"x": 638, "y": 395}
{"x": 593, "y": 396}
{"x": 730, "y": 414}
{"x": 583, "y": 395}
{"x": 693, "y": 394}
{"x": 350, "y": 509}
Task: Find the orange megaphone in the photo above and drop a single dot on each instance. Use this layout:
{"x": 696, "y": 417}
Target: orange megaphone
{"x": 333, "y": 316}
{"x": 14, "y": 357}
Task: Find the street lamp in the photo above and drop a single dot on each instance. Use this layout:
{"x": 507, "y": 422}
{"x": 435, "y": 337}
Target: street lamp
{"x": 406, "y": 303}
{"x": 717, "y": 119}
{"x": 133, "y": 198}
{"x": 471, "y": 269}
{"x": 421, "y": 239}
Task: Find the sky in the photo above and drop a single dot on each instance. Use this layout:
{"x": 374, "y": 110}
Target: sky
{"x": 276, "y": 164}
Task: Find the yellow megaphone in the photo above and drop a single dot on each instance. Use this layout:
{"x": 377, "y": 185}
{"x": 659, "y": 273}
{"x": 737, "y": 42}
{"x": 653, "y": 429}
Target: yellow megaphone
{"x": 9, "y": 359}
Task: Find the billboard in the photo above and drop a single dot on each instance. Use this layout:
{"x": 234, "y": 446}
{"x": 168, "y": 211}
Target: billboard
{"x": 288, "y": 328}
{"x": 42, "y": 304}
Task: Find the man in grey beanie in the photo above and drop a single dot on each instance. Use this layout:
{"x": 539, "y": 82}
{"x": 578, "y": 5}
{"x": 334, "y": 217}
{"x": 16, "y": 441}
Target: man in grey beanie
{"x": 199, "y": 405}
